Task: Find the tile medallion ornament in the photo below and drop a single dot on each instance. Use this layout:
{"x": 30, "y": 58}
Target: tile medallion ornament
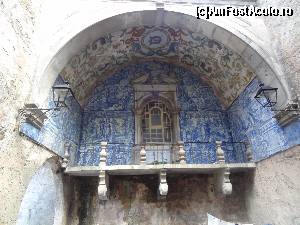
{"x": 223, "y": 69}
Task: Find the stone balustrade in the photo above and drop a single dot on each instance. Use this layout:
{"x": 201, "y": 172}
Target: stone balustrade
{"x": 159, "y": 153}
{"x": 177, "y": 153}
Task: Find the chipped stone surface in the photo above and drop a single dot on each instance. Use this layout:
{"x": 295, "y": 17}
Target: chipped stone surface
{"x": 19, "y": 158}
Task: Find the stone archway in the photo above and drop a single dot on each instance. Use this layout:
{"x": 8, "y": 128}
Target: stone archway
{"x": 235, "y": 38}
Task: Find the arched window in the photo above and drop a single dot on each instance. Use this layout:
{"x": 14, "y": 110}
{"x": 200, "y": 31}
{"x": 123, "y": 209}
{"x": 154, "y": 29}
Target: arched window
{"x": 156, "y": 123}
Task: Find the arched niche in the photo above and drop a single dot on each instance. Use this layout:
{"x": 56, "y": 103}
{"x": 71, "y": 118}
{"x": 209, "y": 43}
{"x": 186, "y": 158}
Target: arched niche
{"x": 227, "y": 32}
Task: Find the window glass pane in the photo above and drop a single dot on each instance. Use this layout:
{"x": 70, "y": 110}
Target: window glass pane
{"x": 156, "y": 123}
{"x": 155, "y": 117}
{"x": 167, "y": 134}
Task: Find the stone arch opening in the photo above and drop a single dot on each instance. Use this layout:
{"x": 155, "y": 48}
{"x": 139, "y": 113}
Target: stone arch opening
{"x": 262, "y": 64}
{"x": 226, "y": 59}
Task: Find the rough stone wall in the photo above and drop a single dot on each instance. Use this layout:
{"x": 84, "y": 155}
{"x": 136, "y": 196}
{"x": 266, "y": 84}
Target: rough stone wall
{"x": 272, "y": 195}
{"x": 133, "y": 201}
{"x": 285, "y": 32}
{"x": 19, "y": 158}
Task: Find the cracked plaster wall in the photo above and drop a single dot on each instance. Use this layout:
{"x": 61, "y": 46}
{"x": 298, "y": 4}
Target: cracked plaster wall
{"x": 19, "y": 158}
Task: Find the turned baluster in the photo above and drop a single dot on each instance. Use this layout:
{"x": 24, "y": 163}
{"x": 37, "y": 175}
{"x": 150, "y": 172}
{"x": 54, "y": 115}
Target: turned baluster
{"x": 181, "y": 153}
{"x": 220, "y": 152}
{"x": 65, "y": 160}
{"x": 103, "y": 154}
{"x": 248, "y": 152}
{"x": 142, "y": 155}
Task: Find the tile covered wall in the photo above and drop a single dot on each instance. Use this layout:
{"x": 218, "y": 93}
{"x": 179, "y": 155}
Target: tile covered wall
{"x": 108, "y": 116}
{"x": 250, "y": 121}
{"x": 60, "y": 127}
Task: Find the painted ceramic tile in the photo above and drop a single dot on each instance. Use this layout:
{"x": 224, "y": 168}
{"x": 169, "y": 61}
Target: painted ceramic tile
{"x": 249, "y": 121}
{"x": 225, "y": 70}
{"x": 60, "y": 127}
{"x": 108, "y": 116}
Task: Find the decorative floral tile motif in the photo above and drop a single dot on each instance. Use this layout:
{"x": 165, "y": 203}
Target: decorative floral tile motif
{"x": 225, "y": 70}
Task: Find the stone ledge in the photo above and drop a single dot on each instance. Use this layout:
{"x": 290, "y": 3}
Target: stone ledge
{"x": 155, "y": 169}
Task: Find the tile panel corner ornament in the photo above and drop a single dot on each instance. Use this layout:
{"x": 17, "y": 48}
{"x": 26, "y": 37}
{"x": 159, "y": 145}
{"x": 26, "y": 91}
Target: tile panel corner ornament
{"x": 225, "y": 70}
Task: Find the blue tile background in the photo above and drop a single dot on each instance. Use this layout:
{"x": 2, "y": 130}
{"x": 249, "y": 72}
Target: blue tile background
{"x": 60, "y": 127}
{"x": 108, "y": 117}
{"x": 250, "y": 121}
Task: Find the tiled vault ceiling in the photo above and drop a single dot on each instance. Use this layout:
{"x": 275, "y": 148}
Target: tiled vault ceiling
{"x": 223, "y": 69}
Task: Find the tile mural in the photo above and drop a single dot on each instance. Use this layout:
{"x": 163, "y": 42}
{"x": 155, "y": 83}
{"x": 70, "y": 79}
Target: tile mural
{"x": 250, "y": 121}
{"x": 226, "y": 71}
{"x": 61, "y": 127}
{"x": 108, "y": 116}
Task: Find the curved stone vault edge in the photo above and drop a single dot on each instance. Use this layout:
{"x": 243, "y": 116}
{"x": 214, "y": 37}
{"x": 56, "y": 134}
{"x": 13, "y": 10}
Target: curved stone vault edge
{"x": 59, "y": 59}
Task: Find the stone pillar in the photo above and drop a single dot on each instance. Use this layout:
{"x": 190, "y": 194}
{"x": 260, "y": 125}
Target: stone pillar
{"x": 181, "y": 153}
{"x": 102, "y": 188}
{"x": 220, "y": 152}
{"x": 163, "y": 185}
{"x": 65, "y": 160}
{"x": 248, "y": 152}
{"x": 103, "y": 154}
{"x": 142, "y": 155}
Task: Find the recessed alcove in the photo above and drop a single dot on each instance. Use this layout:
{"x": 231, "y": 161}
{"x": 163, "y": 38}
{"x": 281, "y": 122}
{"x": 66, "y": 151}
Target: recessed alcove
{"x": 134, "y": 200}
{"x": 109, "y": 116}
